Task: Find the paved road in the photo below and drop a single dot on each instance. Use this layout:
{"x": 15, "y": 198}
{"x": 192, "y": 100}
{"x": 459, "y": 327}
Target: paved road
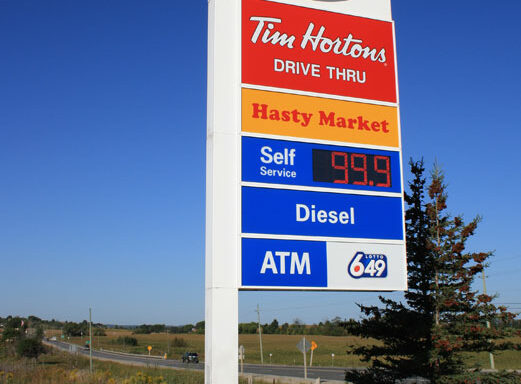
{"x": 326, "y": 373}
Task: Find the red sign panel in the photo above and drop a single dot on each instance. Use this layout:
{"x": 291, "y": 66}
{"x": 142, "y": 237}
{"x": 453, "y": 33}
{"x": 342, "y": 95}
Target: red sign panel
{"x": 292, "y": 47}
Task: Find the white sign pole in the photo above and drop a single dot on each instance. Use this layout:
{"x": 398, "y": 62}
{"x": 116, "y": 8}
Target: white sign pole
{"x": 222, "y": 192}
{"x": 305, "y": 366}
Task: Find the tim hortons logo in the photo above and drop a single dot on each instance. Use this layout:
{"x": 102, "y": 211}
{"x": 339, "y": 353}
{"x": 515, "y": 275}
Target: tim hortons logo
{"x": 314, "y": 39}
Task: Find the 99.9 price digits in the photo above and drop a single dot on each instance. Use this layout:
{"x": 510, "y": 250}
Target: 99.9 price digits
{"x": 351, "y": 168}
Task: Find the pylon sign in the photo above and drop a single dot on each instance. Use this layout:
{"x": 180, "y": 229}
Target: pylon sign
{"x": 304, "y": 171}
{"x": 321, "y": 191}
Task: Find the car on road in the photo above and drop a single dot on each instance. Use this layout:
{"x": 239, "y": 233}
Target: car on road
{"x": 190, "y": 357}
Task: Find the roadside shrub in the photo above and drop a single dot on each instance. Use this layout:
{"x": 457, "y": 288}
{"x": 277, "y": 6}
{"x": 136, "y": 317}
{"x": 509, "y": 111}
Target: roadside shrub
{"x": 179, "y": 342}
{"x": 99, "y": 332}
{"x": 31, "y": 348}
{"x": 127, "y": 340}
{"x": 482, "y": 378}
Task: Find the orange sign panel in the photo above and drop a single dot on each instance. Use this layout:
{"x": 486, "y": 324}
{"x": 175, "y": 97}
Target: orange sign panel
{"x": 319, "y": 118}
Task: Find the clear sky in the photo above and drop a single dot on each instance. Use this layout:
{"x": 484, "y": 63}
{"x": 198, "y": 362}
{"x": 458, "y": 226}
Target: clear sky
{"x": 102, "y": 152}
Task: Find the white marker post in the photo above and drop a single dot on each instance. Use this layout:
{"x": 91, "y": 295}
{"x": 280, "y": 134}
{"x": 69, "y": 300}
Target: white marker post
{"x": 222, "y": 192}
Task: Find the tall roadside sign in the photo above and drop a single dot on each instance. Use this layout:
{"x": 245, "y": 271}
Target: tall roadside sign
{"x": 304, "y": 168}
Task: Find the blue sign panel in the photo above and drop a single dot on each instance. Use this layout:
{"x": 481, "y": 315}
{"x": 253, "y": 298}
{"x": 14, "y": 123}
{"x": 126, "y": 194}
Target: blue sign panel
{"x": 283, "y": 263}
{"x": 317, "y": 165}
{"x": 288, "y": 212}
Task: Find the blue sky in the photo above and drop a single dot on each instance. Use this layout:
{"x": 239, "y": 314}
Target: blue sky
{"x": 102, "y": 152}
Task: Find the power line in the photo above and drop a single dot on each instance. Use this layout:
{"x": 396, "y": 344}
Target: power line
{"x": 496, "y": 258}
{"x": 500, "y": 274}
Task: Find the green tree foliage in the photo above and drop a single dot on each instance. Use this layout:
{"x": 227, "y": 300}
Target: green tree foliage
{"x": 272, "y": 328}
{"x": 187, "y": 328}
{"x": 99, "y": 332}
{"x": 441, "y": 315}
{"x": 179, "y": 342}
{"x": 333, "y": 327}
{"x": 461, "y": 314}
{"x": 127, "y": 340}
{"x": 482, "y": 378}
{"x": 76, "y": 329}
{"x": 14, "y": 328}
{"x": 39, "y": 332}
{"x": 403, "y": 329}
{"x": 29, "y": 347}
{"x": 248, "y": 328}
{"x": 199, "y": 327}
{"x": 148, "y": 329}
{"x": 23, "y": 336}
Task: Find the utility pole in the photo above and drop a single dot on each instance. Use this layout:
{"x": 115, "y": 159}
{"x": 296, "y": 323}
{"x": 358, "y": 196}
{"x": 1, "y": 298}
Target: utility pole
{"x": 90, "y": 338}
{"x": 167, "y": 340}
{"x": 260, "y": 333}
{"x": 490, "y": 355}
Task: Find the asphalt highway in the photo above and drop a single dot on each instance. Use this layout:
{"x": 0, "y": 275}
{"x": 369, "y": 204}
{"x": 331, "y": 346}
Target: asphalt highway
{"x": 324, "y": 373}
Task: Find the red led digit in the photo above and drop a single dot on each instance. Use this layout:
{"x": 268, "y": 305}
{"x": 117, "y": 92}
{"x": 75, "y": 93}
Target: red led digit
{"x": 343, "y": 167}
{"x": 359, "y": 169}
{"x": 386, "y": 171}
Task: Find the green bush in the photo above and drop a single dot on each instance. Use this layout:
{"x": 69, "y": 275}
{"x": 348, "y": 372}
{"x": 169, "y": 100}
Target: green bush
{"x": 99, "y": 332}
{"x": 482, "y": 378}
{"x": 127, "y": 340}
{"x": 31, "y": 348}
{"x": 179, "y": 342}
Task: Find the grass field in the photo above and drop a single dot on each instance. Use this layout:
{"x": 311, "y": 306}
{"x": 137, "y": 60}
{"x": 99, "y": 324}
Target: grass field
{"x": 62, "y": 368}
{"x": 281, "y": 347}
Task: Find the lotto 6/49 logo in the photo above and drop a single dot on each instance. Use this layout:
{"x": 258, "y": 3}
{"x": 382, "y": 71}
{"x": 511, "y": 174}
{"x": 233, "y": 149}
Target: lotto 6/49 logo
{"x": 367, "y": 265}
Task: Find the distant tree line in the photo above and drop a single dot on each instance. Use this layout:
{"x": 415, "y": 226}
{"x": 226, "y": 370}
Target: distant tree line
{"x": 162, "y": 328}
{"x": 334, "y": 327}
{"x": 146, "y": 329}
{"x": 46, "y": 324}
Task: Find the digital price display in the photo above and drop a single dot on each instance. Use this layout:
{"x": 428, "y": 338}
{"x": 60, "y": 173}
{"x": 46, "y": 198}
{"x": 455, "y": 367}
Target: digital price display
{"x": 320, "y": 165}
{"x": 341, "y": 167}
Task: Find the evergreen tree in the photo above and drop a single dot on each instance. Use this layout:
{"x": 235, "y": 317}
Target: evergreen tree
{"x": 442, "y": 316}
{"x": 404, "y": 330}
{"x": 273, "y": 327}
{"x": 462, "y": 317}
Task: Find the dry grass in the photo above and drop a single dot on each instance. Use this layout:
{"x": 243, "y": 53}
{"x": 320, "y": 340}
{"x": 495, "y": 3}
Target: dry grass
{"x": 282, "y": 347}
{"x": 60, "y": 368}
